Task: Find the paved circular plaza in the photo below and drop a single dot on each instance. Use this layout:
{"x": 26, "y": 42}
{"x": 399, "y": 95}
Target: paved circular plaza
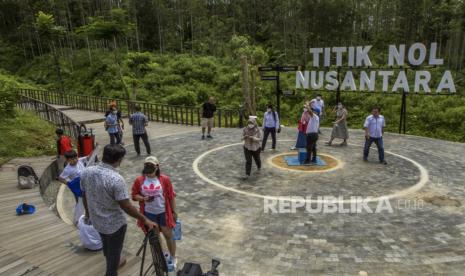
{"x": 224, "y": 216}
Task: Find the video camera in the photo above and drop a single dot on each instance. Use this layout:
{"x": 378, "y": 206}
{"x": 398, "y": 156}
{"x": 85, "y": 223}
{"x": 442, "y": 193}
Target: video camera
{"x": 191, "y": 269}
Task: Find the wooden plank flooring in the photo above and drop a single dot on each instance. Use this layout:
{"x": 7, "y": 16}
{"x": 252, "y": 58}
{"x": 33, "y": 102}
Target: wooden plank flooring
{"x": 41, "y": 243}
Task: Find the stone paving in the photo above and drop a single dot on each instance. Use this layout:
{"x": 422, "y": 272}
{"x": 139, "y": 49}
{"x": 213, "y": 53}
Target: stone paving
{"x": 226, "y": 221}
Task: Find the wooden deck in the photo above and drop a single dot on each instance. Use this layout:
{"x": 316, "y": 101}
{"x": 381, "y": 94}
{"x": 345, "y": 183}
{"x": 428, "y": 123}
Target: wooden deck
{"x": 41, "y": 243}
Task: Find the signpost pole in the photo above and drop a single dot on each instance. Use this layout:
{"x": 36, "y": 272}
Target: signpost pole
{"x": 403, "y": 111}
{"x": 338, "y": 91}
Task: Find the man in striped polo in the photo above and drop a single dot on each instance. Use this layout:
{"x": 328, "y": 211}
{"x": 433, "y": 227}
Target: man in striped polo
{"x": 139, "y": 121}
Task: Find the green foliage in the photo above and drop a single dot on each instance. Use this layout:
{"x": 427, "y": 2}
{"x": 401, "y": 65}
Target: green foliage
{"x": 25, "y": 135}
{"x": 179, "y": 96}
{"x": 8, "y": 95}
{"x": 99, "y": 50}
{"x": 45, "y": 24}
{"x": 107, "y": 27}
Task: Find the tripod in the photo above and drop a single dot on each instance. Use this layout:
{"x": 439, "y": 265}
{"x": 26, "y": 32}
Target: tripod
{"x": 158, "y": 259}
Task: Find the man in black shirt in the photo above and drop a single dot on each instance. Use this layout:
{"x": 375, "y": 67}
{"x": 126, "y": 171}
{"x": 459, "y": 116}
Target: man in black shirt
{"x": 208, "y": 110}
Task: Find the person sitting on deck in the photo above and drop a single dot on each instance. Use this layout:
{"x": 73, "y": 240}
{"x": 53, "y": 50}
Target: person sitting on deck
{"x": 71, "y": 177}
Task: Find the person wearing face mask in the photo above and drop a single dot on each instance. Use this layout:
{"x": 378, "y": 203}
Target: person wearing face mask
{"x": 112, "y": 126}
{"x": 340, "y": 130}
{"x": 156, "y": 198}
{"x": 270, "y": 126}
{"x": 318, "y": 105}
{"x": 312, "y": 137}
{"x": 106, "y": 199}
{"x": 302, "y": 127}
{"x": 251, "y": 135}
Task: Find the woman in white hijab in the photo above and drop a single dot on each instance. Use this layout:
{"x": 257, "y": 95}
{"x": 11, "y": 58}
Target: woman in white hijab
{"x": 252, "y": 136}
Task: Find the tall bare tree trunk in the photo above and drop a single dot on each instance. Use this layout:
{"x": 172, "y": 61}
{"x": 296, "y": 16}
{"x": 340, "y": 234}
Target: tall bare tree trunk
{"x": 253, "y": 104}
{"x": 245, "y": 85}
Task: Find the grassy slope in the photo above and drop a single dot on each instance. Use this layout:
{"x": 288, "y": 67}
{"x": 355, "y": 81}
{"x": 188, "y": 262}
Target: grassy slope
{"x": 25, "y": 135}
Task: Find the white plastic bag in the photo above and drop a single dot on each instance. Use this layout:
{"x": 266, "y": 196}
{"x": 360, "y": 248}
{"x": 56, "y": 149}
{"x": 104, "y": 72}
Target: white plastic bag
{"x": 78, "y": 210}
{"x": 89, "y": 237}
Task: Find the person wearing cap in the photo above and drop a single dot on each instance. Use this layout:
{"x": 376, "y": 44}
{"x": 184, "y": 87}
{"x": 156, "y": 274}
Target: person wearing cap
{"x": 106, "y": 199}
{"x": 156, "y": 198}
{"x": 251, "y": 135}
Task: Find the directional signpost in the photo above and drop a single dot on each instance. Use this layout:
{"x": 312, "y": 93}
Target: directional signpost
{"x": 276, "y": 69}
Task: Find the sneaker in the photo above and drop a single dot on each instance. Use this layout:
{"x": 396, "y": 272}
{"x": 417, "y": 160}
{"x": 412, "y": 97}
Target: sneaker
{"x": 383, "y": 162}
{"x": 343, "y": 144}
{"x": 203, "y": 137}
{"x": 175, "y": 261}
{"x": 245, "y": 177}
{"x": 209, "y": 136}
{"x": 171, "y": 266}
{"x": 365, "y": 160}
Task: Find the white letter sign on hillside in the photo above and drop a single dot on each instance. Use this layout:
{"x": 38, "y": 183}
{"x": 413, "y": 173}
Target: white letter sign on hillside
{"x": 388, "y": 80}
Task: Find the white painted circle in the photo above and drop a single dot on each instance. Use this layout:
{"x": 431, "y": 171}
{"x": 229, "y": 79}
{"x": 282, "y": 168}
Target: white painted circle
{"x": 424, "y": 177}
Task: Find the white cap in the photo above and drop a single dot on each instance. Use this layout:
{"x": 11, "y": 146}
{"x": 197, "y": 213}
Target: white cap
{"x": 152, "y": 160}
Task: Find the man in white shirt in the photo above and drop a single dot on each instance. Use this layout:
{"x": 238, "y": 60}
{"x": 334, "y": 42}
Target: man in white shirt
{"x": 374, "y": 128}
{"x": 317, "y": 105}
{"x": 312, "y": 136}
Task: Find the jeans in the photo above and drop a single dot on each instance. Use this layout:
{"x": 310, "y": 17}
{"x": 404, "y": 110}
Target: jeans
{"x": 112, "y": 247}
{"x": 379, "y": 145}
{"x": 248, "y": 159}
{"x": 269, "y": 130}
{"x": 115, "y": 138}
{"x": 145, "y": 139}
{"x": 311, "y": 146}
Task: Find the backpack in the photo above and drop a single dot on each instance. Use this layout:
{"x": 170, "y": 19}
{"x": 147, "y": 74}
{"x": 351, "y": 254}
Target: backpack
{"x": 27, "y": 178}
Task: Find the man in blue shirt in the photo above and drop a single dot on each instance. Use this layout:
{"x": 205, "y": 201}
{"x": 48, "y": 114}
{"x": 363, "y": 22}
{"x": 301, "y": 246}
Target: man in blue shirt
{"x": 139, "y": 121}
{"x": 270, "y": 125}
{"x": 374, "y": 129}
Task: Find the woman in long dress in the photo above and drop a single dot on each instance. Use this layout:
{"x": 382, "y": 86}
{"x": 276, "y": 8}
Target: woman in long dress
{"x": 301, "y": 135}
{"x": 340, "y": 130}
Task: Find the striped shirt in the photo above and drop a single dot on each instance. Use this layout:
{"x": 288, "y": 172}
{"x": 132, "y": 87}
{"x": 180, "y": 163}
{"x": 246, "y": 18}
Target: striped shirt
{"x": 138, "y": 121}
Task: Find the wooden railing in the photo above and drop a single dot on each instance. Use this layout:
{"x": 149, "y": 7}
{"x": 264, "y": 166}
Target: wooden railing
{"x": 51, "y": 114}
{"x": 185, "y": 115}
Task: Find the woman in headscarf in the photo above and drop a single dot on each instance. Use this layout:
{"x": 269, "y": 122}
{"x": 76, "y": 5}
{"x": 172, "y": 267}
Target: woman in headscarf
{"x": 156, "y": 198}
{"x": 251, "y": 135}
{"x": 302, "y": 127}
{"x": 340, "y": 130}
